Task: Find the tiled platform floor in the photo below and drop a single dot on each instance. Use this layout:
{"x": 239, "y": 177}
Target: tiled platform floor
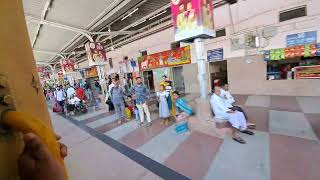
{"x": 286, "y": 145}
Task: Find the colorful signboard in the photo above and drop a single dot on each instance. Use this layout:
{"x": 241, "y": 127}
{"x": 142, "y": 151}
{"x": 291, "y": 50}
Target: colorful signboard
{"x": 302, "y": 38}
{"x": 192, "y": 19}
{"x": 165, "y": 59}
{"x": 307, "y": 72}
{"x": 277, "y": 54}
{"x": 96, "y": 53}
{"x": 67, "y": 66}
{"x": 215, "y": 54}
{"x": 309, "y": 50}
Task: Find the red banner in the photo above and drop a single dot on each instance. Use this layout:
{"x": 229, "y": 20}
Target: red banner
{"x": 166, "y": 59}
{"x": 307, "y": 72}
{"x": 96, "y": 53}
{"x": 67, "y": 66}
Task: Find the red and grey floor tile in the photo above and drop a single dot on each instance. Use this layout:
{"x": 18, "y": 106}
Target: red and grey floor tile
{"x": 285, "y": 145}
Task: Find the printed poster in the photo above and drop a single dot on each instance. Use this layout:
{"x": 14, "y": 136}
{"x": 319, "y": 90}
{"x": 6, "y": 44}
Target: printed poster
{"x": 192, "y": 19}
{"x": 96, "y": 53}
{"x": 67, "y": 66}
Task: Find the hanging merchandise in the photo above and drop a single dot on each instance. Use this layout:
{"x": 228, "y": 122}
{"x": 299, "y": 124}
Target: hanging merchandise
{"x": 133, "y": 63}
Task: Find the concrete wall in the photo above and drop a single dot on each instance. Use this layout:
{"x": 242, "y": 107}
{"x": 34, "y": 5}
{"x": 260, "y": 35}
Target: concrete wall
{"x": 250, "y": 78}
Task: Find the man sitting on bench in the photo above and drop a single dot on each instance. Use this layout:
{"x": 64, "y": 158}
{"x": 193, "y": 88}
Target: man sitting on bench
{"x": 235, "y": 118}
{"x": 229, "y": 102}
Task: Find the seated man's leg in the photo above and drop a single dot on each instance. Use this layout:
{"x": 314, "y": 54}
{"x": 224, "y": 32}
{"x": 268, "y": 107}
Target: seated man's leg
{"x": 243, "y": 123}
{"x": 235, "y": 127}
{"x": 238, "y": 108}
{"x": 241, "y": 120}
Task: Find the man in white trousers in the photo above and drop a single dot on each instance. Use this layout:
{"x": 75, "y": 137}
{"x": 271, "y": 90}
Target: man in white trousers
{"x": 141, "y": 94}
{"x": 235, "y": 118}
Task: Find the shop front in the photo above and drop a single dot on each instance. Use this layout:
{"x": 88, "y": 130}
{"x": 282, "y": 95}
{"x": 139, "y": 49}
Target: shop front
{"x": 293, "y": 70}
{"x": 250, "y": 78}
{"x": 289, "y": 63}
{"x": 169, "y": 63}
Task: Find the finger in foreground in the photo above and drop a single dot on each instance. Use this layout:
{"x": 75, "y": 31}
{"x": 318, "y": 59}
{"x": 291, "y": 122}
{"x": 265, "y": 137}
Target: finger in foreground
{"x": 63, "y": 150}
{"x": 58, "y": 137}
{"x": 34, "y": 147}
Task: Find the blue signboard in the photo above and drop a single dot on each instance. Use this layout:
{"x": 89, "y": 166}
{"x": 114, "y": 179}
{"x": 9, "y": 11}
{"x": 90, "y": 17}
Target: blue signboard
{"x": 302, "y": 38}
{"x": 215, "y": 54}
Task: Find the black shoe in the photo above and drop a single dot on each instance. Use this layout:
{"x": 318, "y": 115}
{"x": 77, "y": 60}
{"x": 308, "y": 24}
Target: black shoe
{"x": 248, "y": 132}
{"x": 239, "y": 140}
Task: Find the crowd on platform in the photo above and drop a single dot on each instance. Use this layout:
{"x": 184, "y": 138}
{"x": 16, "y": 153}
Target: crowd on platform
{"x": 132, "y": 100}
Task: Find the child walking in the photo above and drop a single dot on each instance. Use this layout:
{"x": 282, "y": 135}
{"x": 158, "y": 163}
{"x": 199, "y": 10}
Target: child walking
{"x": 164, "y": 111}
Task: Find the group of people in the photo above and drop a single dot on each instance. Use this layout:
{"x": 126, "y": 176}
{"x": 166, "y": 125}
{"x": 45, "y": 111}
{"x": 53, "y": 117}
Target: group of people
{"x": 137, "y": 99}
{"x": 222, "y": 106}
{"x": 73, "y": 98}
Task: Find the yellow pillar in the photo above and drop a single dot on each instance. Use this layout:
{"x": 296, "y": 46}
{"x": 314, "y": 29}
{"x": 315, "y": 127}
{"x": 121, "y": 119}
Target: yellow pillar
{"x": 17, "y": 64}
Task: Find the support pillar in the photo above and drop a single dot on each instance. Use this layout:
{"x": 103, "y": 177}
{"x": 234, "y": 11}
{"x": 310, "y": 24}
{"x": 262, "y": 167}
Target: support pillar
{"x": 202, "y": 70}
{"x": 203, "y": 121}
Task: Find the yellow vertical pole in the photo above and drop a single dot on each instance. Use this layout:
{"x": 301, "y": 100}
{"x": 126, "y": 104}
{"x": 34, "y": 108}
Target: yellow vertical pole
{"x": 18, "y": 66}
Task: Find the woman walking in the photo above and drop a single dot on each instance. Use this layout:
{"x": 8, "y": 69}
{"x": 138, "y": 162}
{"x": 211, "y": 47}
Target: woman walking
{"x": 164, "y": 111}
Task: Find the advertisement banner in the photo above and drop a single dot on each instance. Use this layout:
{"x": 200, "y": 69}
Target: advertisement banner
{"x": 307, "y": 72}
{"x": 96, "y": 53}
{"x": 277, "y": 54}
{"x": 166, "y": 58}
{"x": 91, "y": 72}
{"x": 302, "y": 38}
{"x": 215, "y": 54}
{"x": 67, "y": 66}
{"x": 192, "y": 19}
{"x": 309, "y": 50}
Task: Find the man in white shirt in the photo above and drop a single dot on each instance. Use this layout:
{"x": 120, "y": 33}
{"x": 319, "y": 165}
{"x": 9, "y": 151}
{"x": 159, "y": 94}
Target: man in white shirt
{"x": 225, "y": 93}
{"x": 113, "y": 81}
{"x": 235, "y": 118}
{"x": 70, "y": 92}
{"x": 229, "y": 102}
{"x": 59, "y": 96}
